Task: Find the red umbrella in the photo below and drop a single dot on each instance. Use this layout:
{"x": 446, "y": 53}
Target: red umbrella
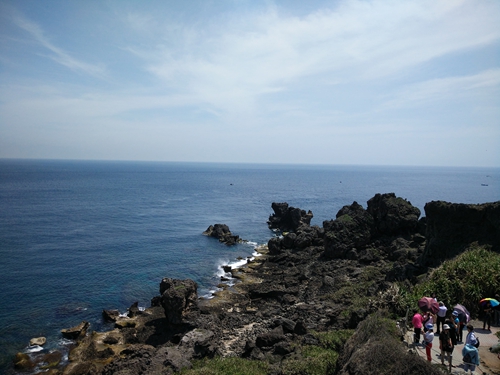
{"x": 428, "y": 304}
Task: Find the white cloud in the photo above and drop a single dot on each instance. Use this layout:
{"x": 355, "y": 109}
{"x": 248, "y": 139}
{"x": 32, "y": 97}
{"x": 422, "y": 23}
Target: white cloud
{"x": 230, "y": 64}
{"x": 58, "y": 54}
{"x": 442, "y": 89}
{"x": 355, "y": 82}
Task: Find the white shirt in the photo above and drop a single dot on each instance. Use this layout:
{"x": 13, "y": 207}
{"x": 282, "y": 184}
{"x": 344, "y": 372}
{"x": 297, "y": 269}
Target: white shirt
{"x": 471, "y": 338}
{"x": 429, "y": 336}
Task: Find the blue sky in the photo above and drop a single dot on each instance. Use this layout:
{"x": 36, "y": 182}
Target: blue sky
{"x": 386, "y": 82}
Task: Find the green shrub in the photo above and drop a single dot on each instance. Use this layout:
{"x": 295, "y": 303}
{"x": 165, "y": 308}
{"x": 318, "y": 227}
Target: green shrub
{"x": 466, "y": 279}
{"x": 334, "y": 340}
{"x": 375, "y": 349}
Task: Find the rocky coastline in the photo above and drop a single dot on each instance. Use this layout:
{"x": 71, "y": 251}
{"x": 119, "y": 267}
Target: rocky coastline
{"x": 309, "y": 279}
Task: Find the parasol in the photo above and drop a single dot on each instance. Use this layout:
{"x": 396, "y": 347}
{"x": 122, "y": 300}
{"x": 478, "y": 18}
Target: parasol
{"x": 493, "y": 302}
{"x": 462, "y": 312}
{"x": 428, "y": 304}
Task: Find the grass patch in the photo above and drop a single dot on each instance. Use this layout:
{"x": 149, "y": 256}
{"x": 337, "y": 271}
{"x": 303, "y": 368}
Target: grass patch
{"x": 318, "y": 359}
{"x": 334, "y": 340}
{"x": 355, "y": 294}
{"x": 227, "y": 366}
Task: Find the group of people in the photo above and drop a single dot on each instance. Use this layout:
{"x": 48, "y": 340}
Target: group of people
{"x": 450, "y": 327}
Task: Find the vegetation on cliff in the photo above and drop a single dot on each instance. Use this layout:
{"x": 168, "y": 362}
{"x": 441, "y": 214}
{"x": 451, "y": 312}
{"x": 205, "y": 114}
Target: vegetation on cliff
{"x": 465, "y": 279}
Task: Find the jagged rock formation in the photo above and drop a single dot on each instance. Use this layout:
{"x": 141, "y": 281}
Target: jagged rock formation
{"x": 76, "y": 332}
{"x": 223, "y": 234}
{"x": 453, "y": 226}
{"x": 287, "y": 218}
{"x": 179, "y": 300}
{"x": 312, "y": 279}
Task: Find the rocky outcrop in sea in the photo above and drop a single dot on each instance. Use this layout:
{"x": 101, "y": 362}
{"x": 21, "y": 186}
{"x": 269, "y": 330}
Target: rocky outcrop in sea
{"x": 309, "y": 279}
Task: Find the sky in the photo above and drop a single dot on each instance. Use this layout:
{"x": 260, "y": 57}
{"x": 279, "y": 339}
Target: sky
{"x": 359, "y": 82}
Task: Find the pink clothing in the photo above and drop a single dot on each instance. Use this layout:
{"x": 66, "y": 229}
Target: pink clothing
{"x": 417, "y": 320}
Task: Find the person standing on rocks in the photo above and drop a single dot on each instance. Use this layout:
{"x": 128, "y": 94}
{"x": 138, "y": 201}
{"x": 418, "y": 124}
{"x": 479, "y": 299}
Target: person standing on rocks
{"x": 428, "y": 338}
{"x": 417, "y": 322}
{"x": 446, "y": 345}
{"x": 441, "y": 316}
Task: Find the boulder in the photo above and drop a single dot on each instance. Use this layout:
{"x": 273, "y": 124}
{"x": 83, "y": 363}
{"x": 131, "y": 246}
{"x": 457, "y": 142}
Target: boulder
{"x": 270, "y": 338}
{"x": 22, "y": 361}
{"x": 393, "y": 215}
{"x": 352, "y": 229}
{"x": 287, "y": 218}
{"x": 110, "y": 315}
{"x": 38, "y": 341}
{"x": 76, "y": 332}
{"x": 199, "y": 343}
{"x": 51, "y": 359}
{"x": 176, "y": 359}
{"x": 133, "y": 310}
{"x": 179, "y": 300}
{"x": 223, "y": 234}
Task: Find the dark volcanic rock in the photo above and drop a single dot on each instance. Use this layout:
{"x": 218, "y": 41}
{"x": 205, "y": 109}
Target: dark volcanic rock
{"x": 133, "y": 310}
{"x": 270, "y": 338}
{"x": 393, "y": 215}
{"x": 287, "y": 218}
{"x": 311, "y": 280}
{"x": 353, "y": 228}
{"x": 222, "y": 232}
{"x": 179, "y": 299}
{"x": 76, "y": 332}
{"x": 22, "y": 361}
{"x": 110, "y": 315}
{"x": 199, "y": 343}
{"x": 453, "y": 226}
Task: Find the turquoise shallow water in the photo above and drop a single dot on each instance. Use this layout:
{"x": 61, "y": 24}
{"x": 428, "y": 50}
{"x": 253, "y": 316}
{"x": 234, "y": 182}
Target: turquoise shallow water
{"x": 77, "y": 237}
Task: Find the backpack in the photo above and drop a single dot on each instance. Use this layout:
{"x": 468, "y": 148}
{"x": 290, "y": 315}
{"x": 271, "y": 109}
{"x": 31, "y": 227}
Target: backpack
{"x": 467, "y": 358}
{"x": 477, "y": 342}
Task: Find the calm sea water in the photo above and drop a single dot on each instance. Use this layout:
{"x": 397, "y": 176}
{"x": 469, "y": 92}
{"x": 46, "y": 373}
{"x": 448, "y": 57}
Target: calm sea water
{"x": 77, "y": 237}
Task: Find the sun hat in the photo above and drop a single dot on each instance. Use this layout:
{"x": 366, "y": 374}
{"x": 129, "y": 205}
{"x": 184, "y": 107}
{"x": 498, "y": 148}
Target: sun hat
{"x": 446, "y": 326}
{"x": 455, "y": 313}
{"x": 430, "y": 326}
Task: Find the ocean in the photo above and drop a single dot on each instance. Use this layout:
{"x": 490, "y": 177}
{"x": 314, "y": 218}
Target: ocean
{"x": 77, "y": 237}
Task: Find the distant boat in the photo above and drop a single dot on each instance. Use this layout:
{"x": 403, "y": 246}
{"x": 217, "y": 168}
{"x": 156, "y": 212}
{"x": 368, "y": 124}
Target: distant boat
{"x": 484, "y": 184}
